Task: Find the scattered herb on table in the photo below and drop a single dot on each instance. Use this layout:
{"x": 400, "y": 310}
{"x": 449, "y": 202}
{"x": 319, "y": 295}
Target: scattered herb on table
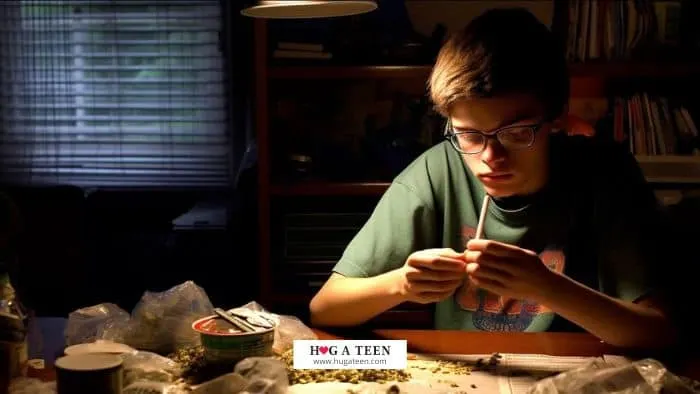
{"x": 195, "y": 369}
{"x": 302, "y": 376}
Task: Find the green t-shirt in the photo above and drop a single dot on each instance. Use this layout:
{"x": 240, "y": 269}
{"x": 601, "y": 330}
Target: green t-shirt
{"x": 594, "y": 222}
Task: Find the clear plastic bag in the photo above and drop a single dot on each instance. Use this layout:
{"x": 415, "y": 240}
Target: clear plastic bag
{"x": 264, "y": 386}
{"x": 31, "y": 386}
{"x": 150, "y": 367}
{"x": 145, "y": 387}
{"x": 88, "y": 324}
{"x": 289, "y": 328}
{"x": 228, "y": 383}
{"x": 265, "y": 374}
{"x": 234, "y": 383}
{"x": 160, "y": 322}
{"x": 646, "y": 376}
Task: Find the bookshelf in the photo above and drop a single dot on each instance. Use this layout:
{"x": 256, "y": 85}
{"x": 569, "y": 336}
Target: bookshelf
{"x": 596, "y": 69}
{"x": 671, "y": 171}
{"x": 592, "y": 78}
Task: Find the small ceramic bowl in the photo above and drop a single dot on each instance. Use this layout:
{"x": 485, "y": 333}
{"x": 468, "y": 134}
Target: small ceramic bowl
{"x": 224, "y": 344}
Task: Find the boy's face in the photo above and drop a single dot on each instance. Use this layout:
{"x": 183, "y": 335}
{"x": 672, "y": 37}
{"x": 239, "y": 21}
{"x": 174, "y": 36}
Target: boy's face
{"x": 505, "y": 172}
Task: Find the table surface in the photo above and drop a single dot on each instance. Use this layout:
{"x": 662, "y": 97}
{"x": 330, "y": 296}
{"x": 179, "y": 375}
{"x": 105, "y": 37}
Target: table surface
{"x": 547, "y": 343}
{"x": 459, "y": 342}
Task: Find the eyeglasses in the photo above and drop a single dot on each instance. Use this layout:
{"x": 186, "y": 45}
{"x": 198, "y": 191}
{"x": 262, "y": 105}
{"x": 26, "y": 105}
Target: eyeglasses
{"x": 510, "y": 137}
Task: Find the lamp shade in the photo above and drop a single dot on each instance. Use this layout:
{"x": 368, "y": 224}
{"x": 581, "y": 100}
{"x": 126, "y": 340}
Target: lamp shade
{"x": 301, "y": 9}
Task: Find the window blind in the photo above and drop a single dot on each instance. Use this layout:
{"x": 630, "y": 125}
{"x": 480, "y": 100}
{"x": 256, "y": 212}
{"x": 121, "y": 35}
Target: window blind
{"x": 113, "y": 93}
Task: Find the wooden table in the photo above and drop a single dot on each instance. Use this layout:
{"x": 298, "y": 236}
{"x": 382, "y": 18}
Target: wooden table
{"x": 548, "y": 343}
{"x": 463, "y": 342}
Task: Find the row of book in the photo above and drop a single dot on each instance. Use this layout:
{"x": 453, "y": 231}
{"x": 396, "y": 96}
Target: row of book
{"x": 613, "y": 29}
{"x": 654, "y": 125}
{"x": 301, "y": 50}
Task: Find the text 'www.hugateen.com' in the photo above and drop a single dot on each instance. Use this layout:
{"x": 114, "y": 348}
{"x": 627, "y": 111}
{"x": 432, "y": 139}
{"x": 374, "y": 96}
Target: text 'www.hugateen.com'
{"x": 349, "y": 362}
{"x": 349, "y": 354}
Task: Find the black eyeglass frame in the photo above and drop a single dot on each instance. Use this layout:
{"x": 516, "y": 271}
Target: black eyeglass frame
{"x": 452, "y": 135}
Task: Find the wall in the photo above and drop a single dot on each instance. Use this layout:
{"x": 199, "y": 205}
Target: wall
{"x": 425, "y": 14}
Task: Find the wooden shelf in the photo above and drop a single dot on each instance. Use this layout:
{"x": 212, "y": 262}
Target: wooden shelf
{"x": 339, "y": 72}
{"x": 600, "y": 70}
{"x": 317, "y": 188}
{"x": 688, "y": 159}
{"x": 670, "y": 169}
{"x": 634, "y": 70}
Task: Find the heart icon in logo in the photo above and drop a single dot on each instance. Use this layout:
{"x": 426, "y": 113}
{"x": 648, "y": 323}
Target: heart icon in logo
{"x": 323, "y": 349}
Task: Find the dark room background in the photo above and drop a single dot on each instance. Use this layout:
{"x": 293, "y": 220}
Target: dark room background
{"x": 150, "y": 143}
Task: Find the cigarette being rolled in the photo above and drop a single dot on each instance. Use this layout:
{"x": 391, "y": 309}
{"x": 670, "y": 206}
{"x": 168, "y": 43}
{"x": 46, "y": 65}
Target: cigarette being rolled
{"x": 482, "y": 217}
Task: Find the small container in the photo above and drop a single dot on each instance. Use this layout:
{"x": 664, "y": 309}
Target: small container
{"x": 98, "y": 347}
{"x": 224, "y": 343}
{"x": 89, "y": 374}
{"x": 36, "y": 368}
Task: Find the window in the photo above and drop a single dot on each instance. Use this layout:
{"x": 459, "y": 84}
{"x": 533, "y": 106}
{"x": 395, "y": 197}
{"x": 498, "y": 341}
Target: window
{"x": 113, "y": 93}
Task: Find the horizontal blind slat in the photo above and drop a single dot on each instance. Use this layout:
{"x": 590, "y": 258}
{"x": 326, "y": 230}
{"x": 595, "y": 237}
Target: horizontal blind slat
{"x": 113, "y": 93}
{"x": 145, "y": 149}
{"x": 116, "y": 94}
{"x": 161, "y": 3}
{"x": 213, "y": 115}
{"x": 201, "y": 128}
{"x": 113, "y": 106}
{"x": 70, "y": 69}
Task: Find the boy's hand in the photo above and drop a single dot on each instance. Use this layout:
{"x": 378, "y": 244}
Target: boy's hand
{"x": 508, "y": 270}
{"x": 431, "y": 275}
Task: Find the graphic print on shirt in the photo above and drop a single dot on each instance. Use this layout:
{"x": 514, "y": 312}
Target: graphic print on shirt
{"x": 487, "y": 308}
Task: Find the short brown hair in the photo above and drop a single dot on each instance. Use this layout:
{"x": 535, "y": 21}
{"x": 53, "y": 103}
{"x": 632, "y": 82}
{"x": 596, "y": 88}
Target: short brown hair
{"x": 502, "y": 51}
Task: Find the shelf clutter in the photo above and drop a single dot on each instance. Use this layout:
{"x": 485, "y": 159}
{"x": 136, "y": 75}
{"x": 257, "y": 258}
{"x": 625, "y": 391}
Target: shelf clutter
{"x": 654, "y": 126}
{"x": 618, "y": 29}
{"x": 597, "y": 69}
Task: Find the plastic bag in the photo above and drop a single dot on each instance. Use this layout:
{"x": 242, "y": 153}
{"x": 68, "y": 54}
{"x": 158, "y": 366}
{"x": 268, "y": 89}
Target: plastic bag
{"x": 641, "y": 377}
{"x": 289, "y": 328}
{"x": 31, "y": 386}
{"x": 144, "y": 387}
{"x": 234, "y": 383}
{"x": 265, "y": 374}
{"x": 88, "y": 324}
{"x": 228, "y": 383}
{"x": 263, "y": 386}
{"x": 160, "y": 322}
{"x": 150, "y": 367}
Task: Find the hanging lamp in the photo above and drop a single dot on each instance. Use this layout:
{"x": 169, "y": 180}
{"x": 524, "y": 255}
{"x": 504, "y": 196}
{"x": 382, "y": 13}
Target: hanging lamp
{"x": 303, "y": 9}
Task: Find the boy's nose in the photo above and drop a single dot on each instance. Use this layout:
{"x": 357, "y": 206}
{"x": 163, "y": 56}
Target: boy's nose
{"x": 493, "y": 151}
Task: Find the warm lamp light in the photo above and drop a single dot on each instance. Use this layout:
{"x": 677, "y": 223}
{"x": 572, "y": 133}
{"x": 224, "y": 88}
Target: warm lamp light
{"x": 300, "y": 9}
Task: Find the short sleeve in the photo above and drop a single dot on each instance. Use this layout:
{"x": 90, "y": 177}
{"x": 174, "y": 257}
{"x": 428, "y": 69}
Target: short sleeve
{"x": 400, "y": 224}
{"x": 630, "y": 228}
